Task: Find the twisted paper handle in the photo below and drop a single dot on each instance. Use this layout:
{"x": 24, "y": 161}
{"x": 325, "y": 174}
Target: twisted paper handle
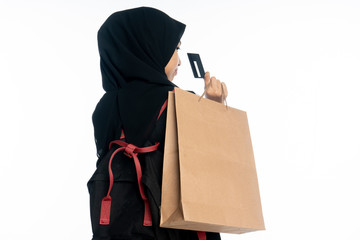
{"x": 223, "y": 98}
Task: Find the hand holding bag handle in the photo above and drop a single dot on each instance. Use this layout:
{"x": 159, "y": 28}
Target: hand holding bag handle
{"x": 214, "y": 89}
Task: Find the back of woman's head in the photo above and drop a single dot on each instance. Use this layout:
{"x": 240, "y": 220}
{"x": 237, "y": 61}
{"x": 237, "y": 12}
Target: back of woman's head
{"x": 136, "y": 44}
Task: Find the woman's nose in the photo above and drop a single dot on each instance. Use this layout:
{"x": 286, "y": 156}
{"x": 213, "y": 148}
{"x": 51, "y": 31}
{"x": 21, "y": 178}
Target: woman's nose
{"x": 179, "y": 62}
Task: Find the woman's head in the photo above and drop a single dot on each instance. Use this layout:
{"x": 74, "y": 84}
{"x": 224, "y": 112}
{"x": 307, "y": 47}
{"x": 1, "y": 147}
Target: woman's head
{"x": 136, "y": 48}
{"x": 137, "y": 45}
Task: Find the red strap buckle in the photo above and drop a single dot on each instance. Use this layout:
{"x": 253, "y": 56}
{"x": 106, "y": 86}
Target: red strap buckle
{"x": 105, "y": 210}
{"x": 129, "y": 150}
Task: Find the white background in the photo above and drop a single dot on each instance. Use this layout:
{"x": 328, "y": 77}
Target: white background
{"x": 292, "y": 65}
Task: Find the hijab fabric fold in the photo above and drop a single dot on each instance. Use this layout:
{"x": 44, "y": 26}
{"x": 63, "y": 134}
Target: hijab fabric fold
{"x": 135, "y": 45}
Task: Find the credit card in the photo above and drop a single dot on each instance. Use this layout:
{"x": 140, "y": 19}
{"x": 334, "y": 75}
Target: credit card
{"x": 196, "y": 65}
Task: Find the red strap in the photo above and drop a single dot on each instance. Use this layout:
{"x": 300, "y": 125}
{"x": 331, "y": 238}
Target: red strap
{"x": 106, "y": 201}
{"x": 122, "y": 134}
{"x": 162, "y": 108}
{"x": 130, "y": 151}
{"x": 201, "y": 235}
{"x": 134, "y": 148}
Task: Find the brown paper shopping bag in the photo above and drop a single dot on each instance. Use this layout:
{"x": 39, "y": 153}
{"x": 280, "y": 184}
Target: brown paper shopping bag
{"x": 209, "y": 175}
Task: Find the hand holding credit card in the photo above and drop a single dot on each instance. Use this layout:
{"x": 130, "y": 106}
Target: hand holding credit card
{"x": 214, "y": 89}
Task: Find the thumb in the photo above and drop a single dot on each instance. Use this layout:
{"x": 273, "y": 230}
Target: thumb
{"x": 207, "y": 78}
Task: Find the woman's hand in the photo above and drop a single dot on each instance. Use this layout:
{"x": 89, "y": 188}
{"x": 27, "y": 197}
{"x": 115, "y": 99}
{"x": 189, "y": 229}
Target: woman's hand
{"x": 215, "y": 90}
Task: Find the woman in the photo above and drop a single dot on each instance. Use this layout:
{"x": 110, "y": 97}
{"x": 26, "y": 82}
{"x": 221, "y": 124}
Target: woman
{"x": 138, "y": 59}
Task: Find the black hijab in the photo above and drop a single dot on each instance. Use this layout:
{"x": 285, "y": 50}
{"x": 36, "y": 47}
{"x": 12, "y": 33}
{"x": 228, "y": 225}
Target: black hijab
{"x": 135, "y": 45}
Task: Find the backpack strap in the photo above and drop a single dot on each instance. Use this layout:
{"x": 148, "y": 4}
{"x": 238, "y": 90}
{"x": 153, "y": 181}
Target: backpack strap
{"x": 131, "y": 151}
{"x": 162, "y": 108}
{"x": 201, "y": 235}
